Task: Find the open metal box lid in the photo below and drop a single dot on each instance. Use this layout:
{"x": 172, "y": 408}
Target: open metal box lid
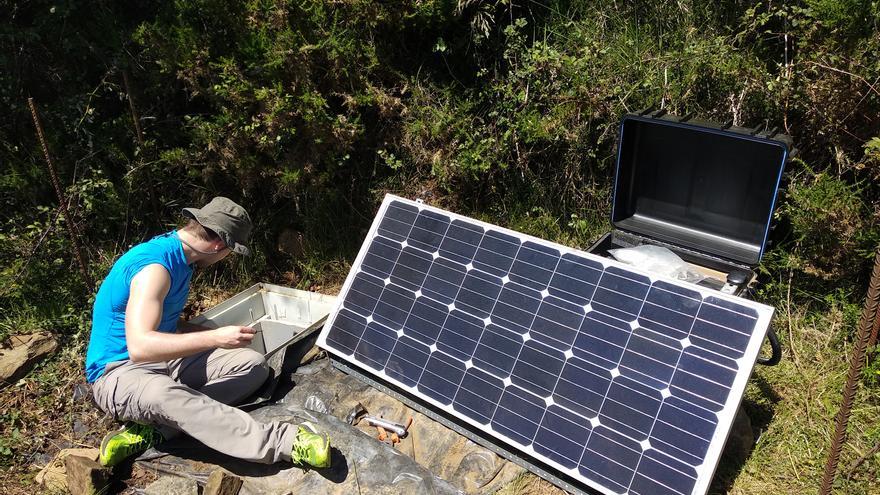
{"x": 700, "y": 186}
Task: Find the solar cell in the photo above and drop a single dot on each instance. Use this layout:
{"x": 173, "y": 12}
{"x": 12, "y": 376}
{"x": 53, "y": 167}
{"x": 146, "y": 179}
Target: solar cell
{"x": 623, "y": 381}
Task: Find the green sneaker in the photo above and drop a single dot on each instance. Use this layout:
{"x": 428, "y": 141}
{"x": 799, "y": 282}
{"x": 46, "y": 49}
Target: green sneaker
{"x": 131, "y": 439}
{"x": 311, "y": 447}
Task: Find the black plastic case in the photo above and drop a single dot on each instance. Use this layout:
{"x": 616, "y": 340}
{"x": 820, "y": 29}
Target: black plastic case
{"x": 705, "y": 191}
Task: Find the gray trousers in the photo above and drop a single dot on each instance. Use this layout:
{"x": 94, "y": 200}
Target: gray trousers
{"x": 194, "y": 395}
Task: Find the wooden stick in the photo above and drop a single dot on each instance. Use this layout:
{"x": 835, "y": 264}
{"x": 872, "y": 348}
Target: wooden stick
{"x": 862, "y": 459}
{"x": 412, "y": 438}
{"x": 140, "y": 138}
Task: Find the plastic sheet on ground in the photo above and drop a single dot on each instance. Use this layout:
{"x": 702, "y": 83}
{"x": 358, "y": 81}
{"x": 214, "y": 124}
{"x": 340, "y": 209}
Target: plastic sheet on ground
{"x": 432, "y": 459}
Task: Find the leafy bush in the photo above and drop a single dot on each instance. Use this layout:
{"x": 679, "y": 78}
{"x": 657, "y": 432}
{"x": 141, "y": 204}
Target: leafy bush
{"x": 307, "y": 111}
{"x": 829, "y": 224}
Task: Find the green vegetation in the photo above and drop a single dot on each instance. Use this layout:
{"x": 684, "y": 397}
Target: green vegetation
{"x": 309, "y": 111}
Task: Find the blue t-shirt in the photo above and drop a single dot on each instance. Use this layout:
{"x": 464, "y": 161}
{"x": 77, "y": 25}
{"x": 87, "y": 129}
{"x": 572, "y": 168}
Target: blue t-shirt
{"x": 107, "y": 342}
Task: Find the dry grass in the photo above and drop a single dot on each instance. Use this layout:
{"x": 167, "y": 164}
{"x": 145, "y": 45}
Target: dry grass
{"x": 795, "y": 404}
{"x": 40, "y": 417}
{"x": 529, "y": 484}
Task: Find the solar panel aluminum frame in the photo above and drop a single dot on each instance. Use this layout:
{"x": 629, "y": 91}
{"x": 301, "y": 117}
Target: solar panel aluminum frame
{"x": 569, "y": 479}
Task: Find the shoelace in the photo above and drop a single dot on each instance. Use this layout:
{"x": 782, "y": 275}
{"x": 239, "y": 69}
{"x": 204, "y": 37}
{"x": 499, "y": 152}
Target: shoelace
{"x": 300, "y": 447}
{"x": 143, "y": 437}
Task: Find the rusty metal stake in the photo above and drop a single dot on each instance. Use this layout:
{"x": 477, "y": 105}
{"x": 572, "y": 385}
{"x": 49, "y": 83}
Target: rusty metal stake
{"x": 872, "y": 341}
{"x": 62, "y": 202}
{"x": 140, "y": 138}
{"x": 857, "y": 361}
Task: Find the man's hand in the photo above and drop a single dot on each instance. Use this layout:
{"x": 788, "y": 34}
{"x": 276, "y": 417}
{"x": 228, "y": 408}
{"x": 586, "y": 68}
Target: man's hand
{"x": 233, "y": 336}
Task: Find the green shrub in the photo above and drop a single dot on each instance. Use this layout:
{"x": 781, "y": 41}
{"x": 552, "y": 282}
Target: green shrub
{"x": 830, "y": 224}
{"x": 307, "y": 111}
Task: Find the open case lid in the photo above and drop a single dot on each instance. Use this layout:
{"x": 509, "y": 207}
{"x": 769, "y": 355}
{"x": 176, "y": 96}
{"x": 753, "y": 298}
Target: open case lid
{"x": 698, "y": 185}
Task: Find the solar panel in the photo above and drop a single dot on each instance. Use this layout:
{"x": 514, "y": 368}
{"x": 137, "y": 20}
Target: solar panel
{"x": 623, "y": 381}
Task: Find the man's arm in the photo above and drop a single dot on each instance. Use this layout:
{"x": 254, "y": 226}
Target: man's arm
{"x": 144, "y": 313}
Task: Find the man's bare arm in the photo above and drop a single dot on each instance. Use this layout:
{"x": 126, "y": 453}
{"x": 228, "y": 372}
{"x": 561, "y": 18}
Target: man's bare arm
{"x": 144, "y": 313}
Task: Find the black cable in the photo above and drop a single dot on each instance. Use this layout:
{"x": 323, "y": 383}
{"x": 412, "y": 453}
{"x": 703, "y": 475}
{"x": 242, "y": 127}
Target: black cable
{"x": 775, "y": 347}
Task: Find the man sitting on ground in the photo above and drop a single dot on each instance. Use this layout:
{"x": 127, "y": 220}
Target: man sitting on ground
{"x": 166, "y": 381}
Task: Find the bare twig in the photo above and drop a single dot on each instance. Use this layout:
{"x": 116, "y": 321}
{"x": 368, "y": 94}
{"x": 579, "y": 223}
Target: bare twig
{"x": 861, "y": 460}
{"x": 92, "y": 94}
{"x": 791, "y": 346}
{"x": 850, "y": 74}
{"x": 37, "y": 244}
{"x": 412, "y": 438}
{"x": 140, "y": 139}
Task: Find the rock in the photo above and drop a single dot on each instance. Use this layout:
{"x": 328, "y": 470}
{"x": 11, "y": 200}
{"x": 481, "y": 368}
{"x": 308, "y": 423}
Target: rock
{"x": 741, "y": 439}
{"x": 79, "y": 428}
{"x": 91, "y": 453}
{"x": 53, "y": 476}
{"x": 85, "y": 476}
{"x": 291, "y": 242}
{"x": 222, "y": 482}
{"x": 42, "y": 458}
{"x": 314, "y": 403}
{"x": 81, "y": 391}
{"x": 476, "y": 469}
{"x": 172, "y": 485}
{"x": 26, "y": 351}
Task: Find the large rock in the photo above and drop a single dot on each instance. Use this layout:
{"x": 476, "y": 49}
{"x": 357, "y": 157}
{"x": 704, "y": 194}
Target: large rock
{"x": 172, "y": 485}
{"x": 222, "y": 482}
{"x": 85, "y": 476}
{"x": 741, "y": 439}
{"x": 53, "y": 476}
{"x": 26, "y": 351}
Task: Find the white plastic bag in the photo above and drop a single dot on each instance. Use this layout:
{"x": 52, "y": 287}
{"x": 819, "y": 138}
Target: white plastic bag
{"x": 658, "y": 260}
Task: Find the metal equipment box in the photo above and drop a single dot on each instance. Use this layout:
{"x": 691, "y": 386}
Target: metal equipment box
{"x": 280, "y": 315}
{"x": 285, "y": 319}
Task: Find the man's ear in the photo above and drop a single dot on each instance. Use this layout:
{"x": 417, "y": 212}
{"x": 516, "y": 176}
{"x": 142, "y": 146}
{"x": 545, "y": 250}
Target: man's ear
{"x": 218, "y": 245}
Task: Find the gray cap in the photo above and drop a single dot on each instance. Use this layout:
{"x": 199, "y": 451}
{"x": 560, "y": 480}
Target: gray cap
{"x": 229, "y": 220}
